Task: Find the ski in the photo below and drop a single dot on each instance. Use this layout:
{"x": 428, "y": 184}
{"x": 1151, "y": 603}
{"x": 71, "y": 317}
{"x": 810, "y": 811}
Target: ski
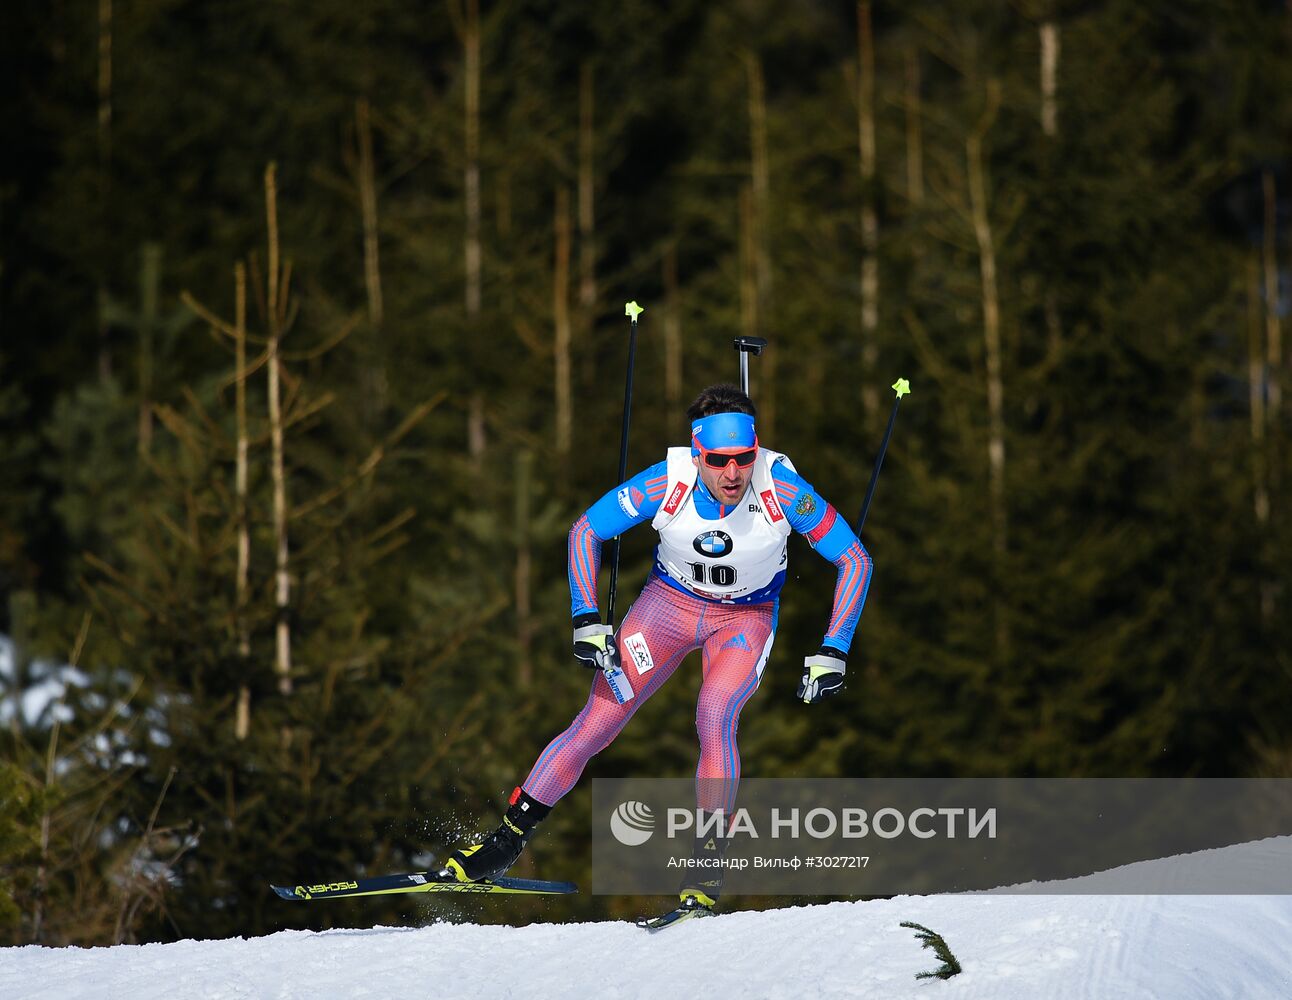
{"x": 419, "y": 882}
{"x": 673, "y": 918}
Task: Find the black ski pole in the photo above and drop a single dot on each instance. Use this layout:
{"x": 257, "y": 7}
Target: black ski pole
{"x": 747, "y": 346}
{"x": 901, "y": 387}
{"x": 618, "y": 681}
{"x": 632, "y": 310}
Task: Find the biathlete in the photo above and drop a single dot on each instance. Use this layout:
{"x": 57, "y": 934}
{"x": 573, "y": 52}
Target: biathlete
{"x": 724, "y": 509}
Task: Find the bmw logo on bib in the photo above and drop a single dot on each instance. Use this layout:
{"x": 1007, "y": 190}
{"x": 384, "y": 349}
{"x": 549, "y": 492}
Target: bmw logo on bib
{"x": 714, "y": 544}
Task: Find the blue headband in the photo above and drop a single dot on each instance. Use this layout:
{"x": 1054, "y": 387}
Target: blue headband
{"x": 723, "y": 430}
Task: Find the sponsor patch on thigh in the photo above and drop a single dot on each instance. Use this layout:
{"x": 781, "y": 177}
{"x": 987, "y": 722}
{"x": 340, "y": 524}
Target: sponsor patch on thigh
{"x": 636, "y": 646}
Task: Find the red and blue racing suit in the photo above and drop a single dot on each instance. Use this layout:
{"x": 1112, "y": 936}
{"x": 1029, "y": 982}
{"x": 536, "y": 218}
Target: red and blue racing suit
{"x": 670, "y": 621}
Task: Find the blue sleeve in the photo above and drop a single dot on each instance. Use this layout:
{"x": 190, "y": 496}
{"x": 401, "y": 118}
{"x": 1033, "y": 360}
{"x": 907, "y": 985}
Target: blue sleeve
{"x": 635, "y": 501}
{"x": 828, "y": 533}
{"x": 804, "y": 507}
{"x": 632, "y": 503}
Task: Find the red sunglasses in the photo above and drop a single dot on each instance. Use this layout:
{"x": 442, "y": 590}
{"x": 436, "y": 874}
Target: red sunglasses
{"x": 721, "y": 459}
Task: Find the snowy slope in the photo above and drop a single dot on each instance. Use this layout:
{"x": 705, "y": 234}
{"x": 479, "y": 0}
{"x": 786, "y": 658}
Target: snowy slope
{"x": 1012, "y": 947}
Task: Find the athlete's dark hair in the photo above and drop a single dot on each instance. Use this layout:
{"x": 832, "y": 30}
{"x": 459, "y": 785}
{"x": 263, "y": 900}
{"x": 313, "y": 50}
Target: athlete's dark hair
{"x": 721, "y": 398}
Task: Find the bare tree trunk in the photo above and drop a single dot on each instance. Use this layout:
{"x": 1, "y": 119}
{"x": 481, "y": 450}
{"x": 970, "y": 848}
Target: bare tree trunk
{"x": 502, "y": 195}
{"x": 149, "y": 281}
{"x": 1273, "y": 326}
{"x": 477, "y": 438}
{"x": 42, "y": 866}
{"x": 19, "y": 614}
{"x": 586, "y": 317}
{"x": 476, "y": 441}
{"x": 587, "y": 216}
{"x": 672, "y": 332}
{"x": 242, "y": 720}
{"x": 1256, "y": 378}
{"x": 1049, "y": 32}
{"x": 368, "y": 207}
{"x": 978, "y": 197}
{"x": 1049, "y": 77}
{"x": 1049, "y": 38}
{"x": 759, "y": 216}
{"x": 373, "y": 373}
{"x": 869, "y": 216}
{"x": 914, "y": 129}
{"x": 561, "y": 317}
{"x": 524, "y": 623}
{"x": 51, "y": 758}
{"x": 104, "y": 178}
{"x": 1266, "y": 392}
{"x": 282, "y": 590}
{"x": 471, "y": 53}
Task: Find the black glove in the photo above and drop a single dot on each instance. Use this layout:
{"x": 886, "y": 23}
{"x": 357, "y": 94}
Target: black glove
{"x": 822, "y": 675}
{"x": 594, "y": 644}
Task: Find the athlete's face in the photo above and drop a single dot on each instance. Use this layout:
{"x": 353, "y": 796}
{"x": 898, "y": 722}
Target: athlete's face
{"x": 727, "y": 484}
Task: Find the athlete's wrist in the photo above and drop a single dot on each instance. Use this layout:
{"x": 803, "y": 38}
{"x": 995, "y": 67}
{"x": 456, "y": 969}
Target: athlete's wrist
{"x": 586, "y": 618}
{"x": 828, "y": 649}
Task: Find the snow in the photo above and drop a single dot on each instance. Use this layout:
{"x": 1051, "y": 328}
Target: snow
{"x": 1170, "y": 947}
{"x": 1012, "y": 947}
{"x": 44, "y": 692}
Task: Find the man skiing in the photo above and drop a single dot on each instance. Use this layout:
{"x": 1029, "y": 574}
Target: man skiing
{"x": 724, "y": 509}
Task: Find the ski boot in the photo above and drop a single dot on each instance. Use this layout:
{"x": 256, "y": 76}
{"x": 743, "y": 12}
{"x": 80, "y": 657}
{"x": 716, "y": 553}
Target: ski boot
{"x": 703, "y": 883}
{"x": 696, "y": 900}
{"x": 693, "y": 903}
{"x": 499, "y": 851}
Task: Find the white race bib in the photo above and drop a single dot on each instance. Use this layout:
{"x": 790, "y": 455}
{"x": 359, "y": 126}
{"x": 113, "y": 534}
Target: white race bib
{"x": 733, "y": 556}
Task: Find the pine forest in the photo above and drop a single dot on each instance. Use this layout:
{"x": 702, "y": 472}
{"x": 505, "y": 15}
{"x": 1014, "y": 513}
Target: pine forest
{"x": 313, "y": 347}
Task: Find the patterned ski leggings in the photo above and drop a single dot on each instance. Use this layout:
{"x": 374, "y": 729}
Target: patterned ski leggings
{"x": 661, "y": 628}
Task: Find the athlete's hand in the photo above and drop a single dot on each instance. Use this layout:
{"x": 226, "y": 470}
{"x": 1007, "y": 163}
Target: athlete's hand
{"x": 822, "y": 675}
{"x": 594, "y": 646}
